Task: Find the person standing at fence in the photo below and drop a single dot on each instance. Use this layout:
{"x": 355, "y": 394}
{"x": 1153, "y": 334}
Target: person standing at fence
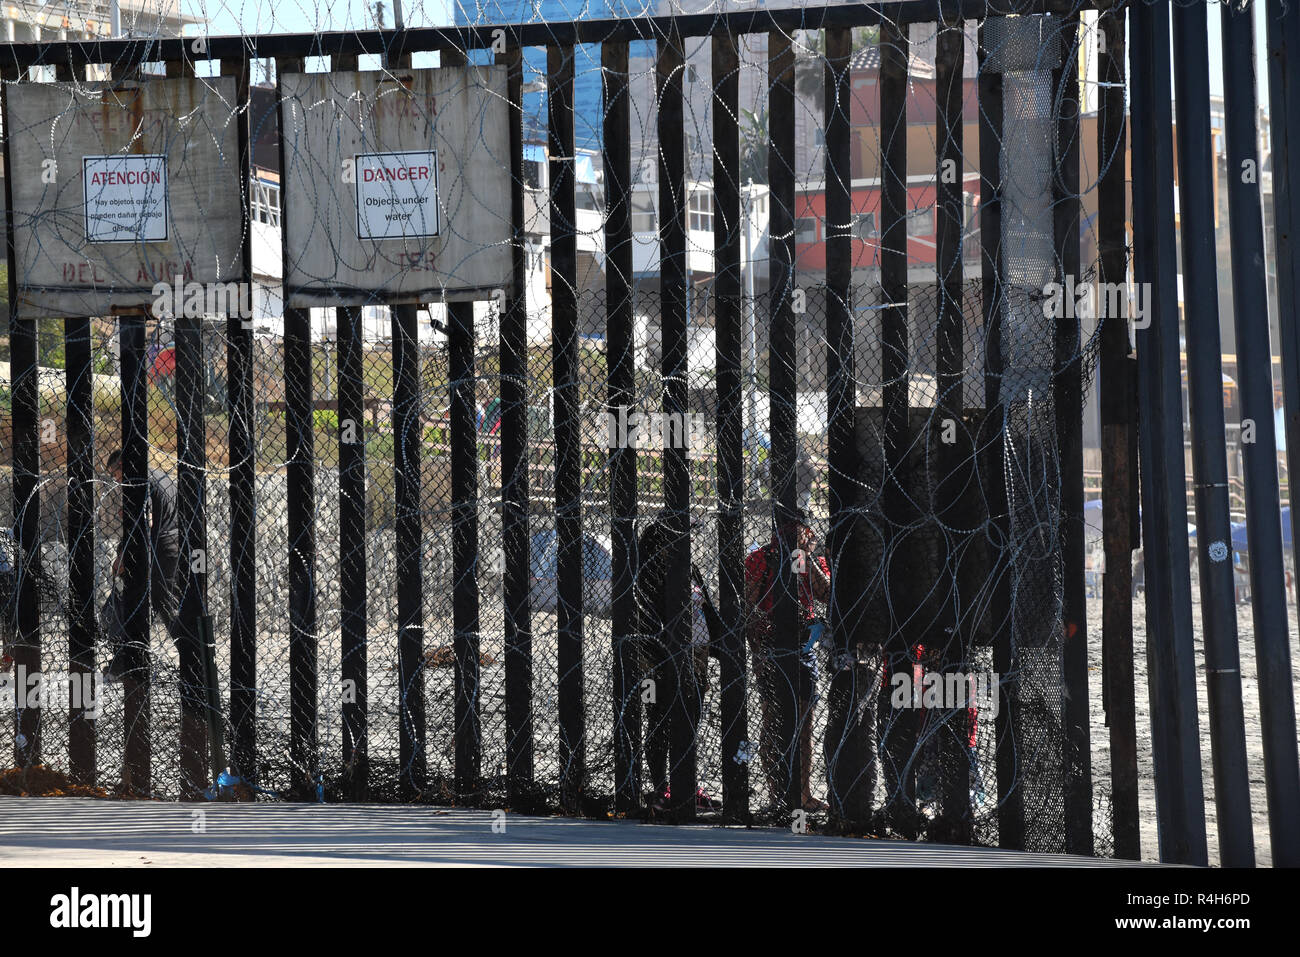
{"x": 805, "y": 474}
{"x": 673, "y": 670}
{"x": 131, "y": 659}
{"x": 763, "y": 567}
{"x": 164, "y": 556}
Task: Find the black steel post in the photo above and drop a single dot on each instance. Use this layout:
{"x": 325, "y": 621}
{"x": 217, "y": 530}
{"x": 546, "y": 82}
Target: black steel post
{"x": 514, "y": 469}
{"x": 729, "y": 310}
{"x": 464, "y": 543}
{"x": 410, "y": 581}
{"x": 1067, "y": 388}
{"x": 300, "y": 461}
{"x": 1117, "y": 398}
{"x": 898, "y": 726}
{"x": 352, "y": 549}
{"x": 412, "y": 753}
{"x": 683, "y": 712}
{"x": 850, "y": 765}
{"x": 81, "y": 541}
{"x": 1196, "y": 176}
{"x": 191, "y": 440}
{"x": 1255, "y": 383}
{"x": 622, "y": 393}
{"x": 1283, "y": 37}
{"x": 1284, "y": 93}
{"x": 243, "y": 478}
{"x": 1180, "y": 807}
{"x": 300, "y": 506}
{"x": 568, "y": 443}
{"x": 786, "y": 685}
{"x": 137, "y": 766}
{"x": 1006, "y": 661}
{"x": 950, "y": 407}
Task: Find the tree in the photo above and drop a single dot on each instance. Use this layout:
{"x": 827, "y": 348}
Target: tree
{"x": 753, "y": 146}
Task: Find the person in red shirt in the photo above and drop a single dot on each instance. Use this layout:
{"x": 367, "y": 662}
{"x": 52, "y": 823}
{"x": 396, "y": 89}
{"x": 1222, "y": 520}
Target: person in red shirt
{"x": 762, "y": 568}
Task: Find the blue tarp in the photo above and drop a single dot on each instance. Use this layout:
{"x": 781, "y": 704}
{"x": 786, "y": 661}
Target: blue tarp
{"x": 545, "y": 556}
{"x": 1239, "y": 539}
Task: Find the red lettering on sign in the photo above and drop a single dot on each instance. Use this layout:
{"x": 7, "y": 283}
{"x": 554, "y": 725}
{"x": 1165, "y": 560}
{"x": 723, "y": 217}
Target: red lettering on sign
{"x": 389, "y": 174}
{"x": 82, "y": 272}
{"x": 168, "y": 270}
{"x": 134, "y": 177}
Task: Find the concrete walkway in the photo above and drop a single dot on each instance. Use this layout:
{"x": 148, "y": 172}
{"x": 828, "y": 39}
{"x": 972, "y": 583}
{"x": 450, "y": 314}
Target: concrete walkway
{"x": 77, "y": 832}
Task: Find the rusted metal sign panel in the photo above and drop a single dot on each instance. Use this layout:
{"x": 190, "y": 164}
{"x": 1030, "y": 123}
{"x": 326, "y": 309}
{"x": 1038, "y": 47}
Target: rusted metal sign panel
{"x": 117, "y": 187}
{"x": 396, "y": 186}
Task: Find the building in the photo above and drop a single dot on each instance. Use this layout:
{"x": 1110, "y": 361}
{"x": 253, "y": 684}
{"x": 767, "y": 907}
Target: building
{"x": 29, "y": 22}
{"x": 588, "y": 91}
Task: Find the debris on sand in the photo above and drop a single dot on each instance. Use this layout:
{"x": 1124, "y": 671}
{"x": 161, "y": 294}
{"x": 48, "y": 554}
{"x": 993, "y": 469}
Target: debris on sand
{"x": 42, "y": 781}
{"x": 444, "y": 656}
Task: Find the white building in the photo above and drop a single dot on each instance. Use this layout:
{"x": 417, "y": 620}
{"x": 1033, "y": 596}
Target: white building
{"x": 26, "y": 21}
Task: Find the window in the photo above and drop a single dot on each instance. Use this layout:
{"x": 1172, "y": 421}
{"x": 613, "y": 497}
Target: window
{"x": 805, "y": 230}
{"x": 266, "y": 203}
{"x": 643, "y": 213}
{"x": 532, "y": 174}
{"x": 864, "y": 226}
{"x": 584, "y": 197}
{"x": 819, "y": 137}
{"x": 920, "y": 222}
{"x": 701, "y": 210}
{"x": 535, "y": 257}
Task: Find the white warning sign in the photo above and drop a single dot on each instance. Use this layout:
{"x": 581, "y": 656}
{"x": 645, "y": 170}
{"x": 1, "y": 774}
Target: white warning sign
{"x": 397, "y": 194}
{"x": 126, "y": 197}
{"x": 396, "y": 186}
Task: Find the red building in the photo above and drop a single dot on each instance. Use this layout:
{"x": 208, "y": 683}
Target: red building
{"x": 811, "y": 233}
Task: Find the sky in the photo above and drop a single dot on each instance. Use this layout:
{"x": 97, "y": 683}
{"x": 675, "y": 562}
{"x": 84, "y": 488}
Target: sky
{"x": 302, "y": 16}
{"x": 305, "y": 16}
